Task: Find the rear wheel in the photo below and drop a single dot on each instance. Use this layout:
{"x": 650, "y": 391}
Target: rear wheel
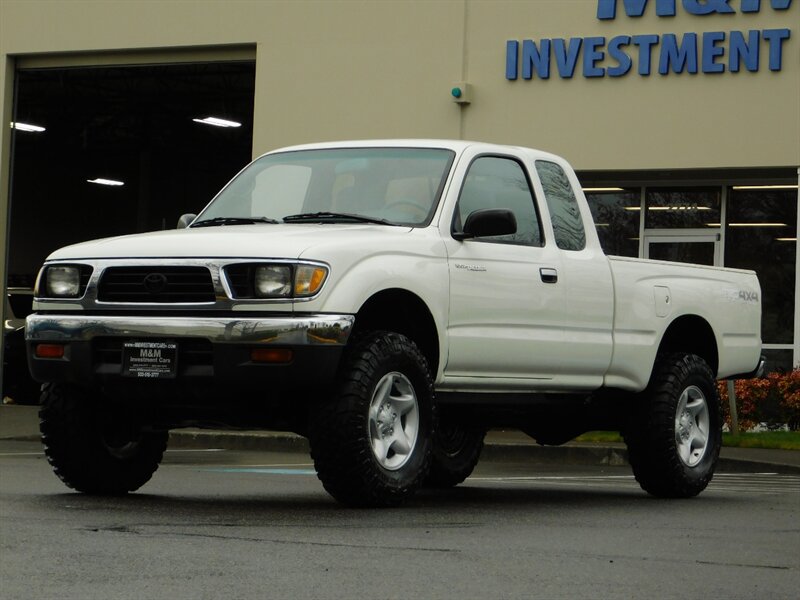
{"x": 93, "y": 447}
{"x": 371, "y": 443}
{"x": 456, "y": 450}
{"x": 675, "y": 435}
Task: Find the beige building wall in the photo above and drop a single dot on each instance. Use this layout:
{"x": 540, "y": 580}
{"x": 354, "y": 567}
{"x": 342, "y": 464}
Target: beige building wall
{"x": 337, "y": 69}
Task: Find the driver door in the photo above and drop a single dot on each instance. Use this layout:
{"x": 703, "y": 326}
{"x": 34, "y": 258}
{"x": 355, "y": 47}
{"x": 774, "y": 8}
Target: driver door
{"x": 506, "y": 301}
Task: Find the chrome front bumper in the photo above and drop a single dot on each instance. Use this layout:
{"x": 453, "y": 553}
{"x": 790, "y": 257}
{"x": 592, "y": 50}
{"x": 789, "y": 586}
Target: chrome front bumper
{"x": 304, "y": 330}
{"x": 214, "y": 357}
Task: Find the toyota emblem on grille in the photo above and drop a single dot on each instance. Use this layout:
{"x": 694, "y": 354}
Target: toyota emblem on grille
{"x": 155, "y": 283}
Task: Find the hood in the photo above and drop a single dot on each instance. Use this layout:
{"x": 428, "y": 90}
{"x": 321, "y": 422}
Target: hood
{"x": 232, "y": 241}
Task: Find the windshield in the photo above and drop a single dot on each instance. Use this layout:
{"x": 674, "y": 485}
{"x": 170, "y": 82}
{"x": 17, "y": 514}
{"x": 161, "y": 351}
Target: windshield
{"x": 395, "y": 186}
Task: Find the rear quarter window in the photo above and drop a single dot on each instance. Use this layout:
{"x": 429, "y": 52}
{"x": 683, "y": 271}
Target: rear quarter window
{"x": 563, "y": 205}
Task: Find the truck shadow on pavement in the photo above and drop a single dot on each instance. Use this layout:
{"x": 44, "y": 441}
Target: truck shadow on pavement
{"x": 291, "y": 508}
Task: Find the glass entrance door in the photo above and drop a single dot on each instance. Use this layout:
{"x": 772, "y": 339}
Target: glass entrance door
{"x": 698, "y": 248}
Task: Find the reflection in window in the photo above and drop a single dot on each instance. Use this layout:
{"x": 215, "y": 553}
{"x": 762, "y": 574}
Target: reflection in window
{"x": 278, "y": 189}
{"x": 400, "y": 185}
{"x": 682, "y": 208}
{"x": 564, "y": 211}
{"x": 493, "y": 182}
{"x": 761, "y": 234}
{"x": 616, "y": 216}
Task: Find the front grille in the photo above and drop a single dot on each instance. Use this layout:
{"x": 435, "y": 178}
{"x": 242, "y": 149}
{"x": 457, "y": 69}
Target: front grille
{"x": 156, "y": 284}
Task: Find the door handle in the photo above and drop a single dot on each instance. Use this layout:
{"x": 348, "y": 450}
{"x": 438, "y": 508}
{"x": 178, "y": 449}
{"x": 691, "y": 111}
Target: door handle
{"x": 548, "y": 275}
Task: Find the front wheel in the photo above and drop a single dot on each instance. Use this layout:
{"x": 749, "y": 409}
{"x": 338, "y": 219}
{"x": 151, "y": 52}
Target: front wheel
{"x": 675, "y": 434}
{"x": 93, "y": 447}
{"x": 371, "y": 443}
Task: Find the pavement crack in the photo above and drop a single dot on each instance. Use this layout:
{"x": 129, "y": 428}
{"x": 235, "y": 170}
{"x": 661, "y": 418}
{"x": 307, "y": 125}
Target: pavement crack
{"x": 306, "y": 542}
{"x": 742, "y": 565}
{"x": 212, "y": 536}
{"x": 112, "y": 529}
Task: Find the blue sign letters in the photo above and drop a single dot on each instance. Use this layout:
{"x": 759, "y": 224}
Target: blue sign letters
{"x": 709, "y": 52}
{"x": 607, "y": 9}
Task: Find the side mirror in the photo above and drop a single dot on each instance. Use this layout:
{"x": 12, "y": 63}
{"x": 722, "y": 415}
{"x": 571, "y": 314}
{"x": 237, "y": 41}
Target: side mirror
{"x": 186, "y": 220}
{"x": 488, "y": 222}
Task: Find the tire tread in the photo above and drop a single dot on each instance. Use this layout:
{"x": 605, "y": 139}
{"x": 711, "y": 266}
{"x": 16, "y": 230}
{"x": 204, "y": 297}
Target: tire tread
{"x": 650, "y": 437}
{"x": 339, "y": 438}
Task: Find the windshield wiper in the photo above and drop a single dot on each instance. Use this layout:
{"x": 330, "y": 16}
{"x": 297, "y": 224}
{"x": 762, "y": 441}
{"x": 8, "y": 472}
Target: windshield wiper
{"x": 233, "y": 221}
{"x": 335, "y": 216}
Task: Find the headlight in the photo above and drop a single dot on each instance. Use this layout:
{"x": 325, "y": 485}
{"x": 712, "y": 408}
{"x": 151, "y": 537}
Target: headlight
{"x": 275, "y": 280}
{"x": 63, "y": 281}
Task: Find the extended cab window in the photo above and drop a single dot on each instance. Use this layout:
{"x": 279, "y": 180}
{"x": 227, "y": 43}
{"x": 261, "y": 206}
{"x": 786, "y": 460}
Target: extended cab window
{"x": 564, "y": 211}
{"x": 494, "y": 182}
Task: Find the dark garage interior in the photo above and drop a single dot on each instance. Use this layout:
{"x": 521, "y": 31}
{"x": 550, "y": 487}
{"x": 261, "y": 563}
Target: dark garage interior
{"x": 105, "y": 151}
{"x": 134, "y": 125}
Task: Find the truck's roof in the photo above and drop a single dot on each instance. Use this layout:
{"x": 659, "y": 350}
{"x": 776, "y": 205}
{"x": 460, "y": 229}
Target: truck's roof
{"x": 457, "y": 146}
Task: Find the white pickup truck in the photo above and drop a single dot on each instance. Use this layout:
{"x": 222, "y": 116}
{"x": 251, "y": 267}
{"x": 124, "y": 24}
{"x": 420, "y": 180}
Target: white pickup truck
{"x": 390, "y": 300}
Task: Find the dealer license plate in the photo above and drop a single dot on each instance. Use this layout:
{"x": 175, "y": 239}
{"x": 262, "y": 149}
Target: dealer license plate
{"x": 149, "y": 360}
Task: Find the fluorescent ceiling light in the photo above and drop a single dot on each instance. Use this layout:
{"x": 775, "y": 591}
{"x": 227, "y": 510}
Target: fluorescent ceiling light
{"x": 675, "y": 208}
{"x": 765, "y": 187}
{"x": 27, "y": 127}
{"x": 756, "y": 224}
{"x": 602, "y": 189}
{"x": 794, "y": 239}
{"x": 217, "y": 122}
{"x": 101, "y": 181}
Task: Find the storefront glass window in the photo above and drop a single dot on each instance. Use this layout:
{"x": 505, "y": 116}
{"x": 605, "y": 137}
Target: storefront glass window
{"x": 682, "y": 208}
{"x": 761, "y": 234}
{"x": 777, "y": 360}
{"x": 616, "y": 216}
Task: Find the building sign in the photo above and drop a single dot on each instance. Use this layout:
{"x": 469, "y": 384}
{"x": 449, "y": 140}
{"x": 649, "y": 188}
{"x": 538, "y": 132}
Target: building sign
{"x": 646, "y": 54}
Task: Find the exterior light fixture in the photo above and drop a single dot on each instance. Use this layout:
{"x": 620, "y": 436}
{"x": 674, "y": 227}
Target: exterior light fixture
{"x": 101, "y": 181}
{"x": 27, "y": 127}
{"x": 217, "y": 122}
{"x": 461, "y": 92}
{"x": 756, "y": 224}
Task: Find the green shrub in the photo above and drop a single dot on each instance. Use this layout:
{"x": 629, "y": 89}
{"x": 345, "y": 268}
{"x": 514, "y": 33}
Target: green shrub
{"x": 774, "y": 400}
